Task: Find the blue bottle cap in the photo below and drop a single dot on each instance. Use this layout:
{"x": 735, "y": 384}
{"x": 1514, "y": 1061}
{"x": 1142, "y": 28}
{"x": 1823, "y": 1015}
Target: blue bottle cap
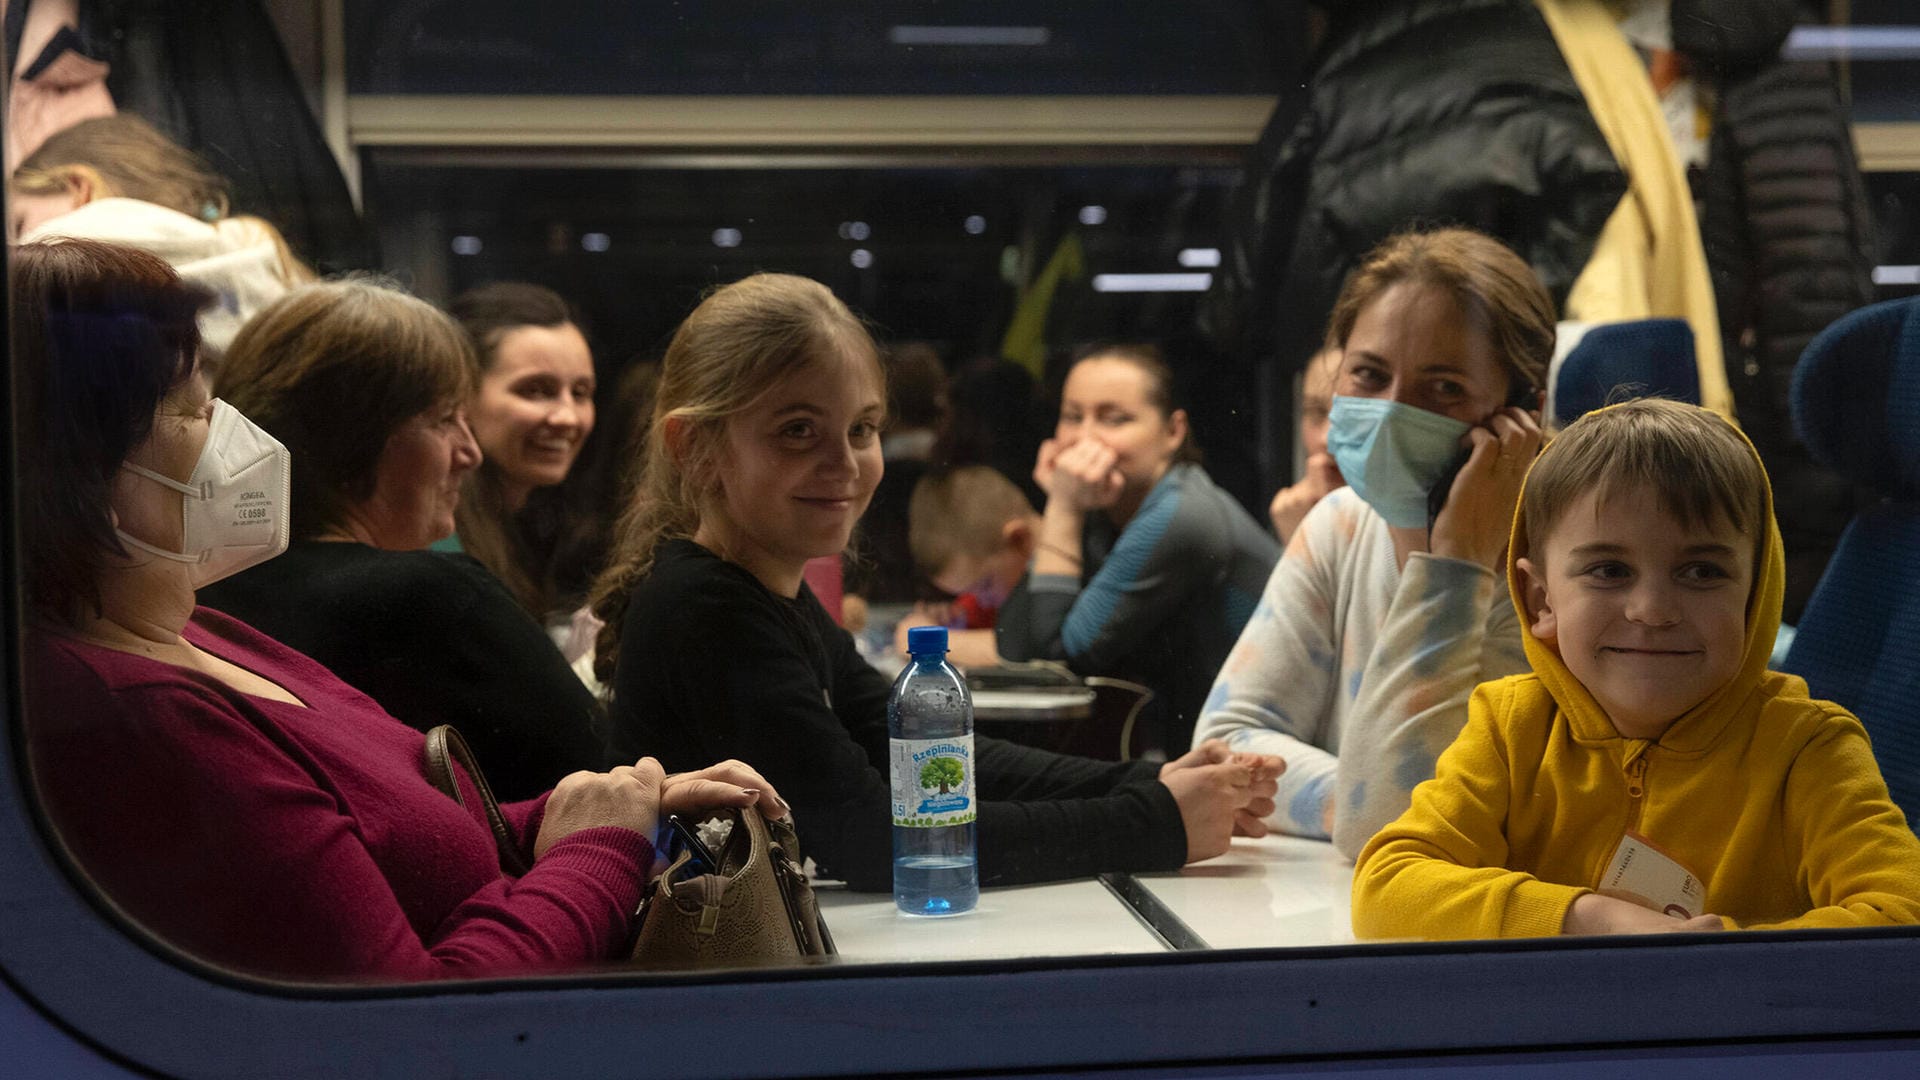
{"x": 922, "y": 640}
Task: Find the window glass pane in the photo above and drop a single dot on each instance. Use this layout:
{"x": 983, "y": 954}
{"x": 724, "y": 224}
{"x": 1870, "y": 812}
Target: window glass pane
{"x": 960, "y": 248}
{"x": 1879, "y": 42}
{"x": 773, "y": 48}
{"x": 929, "y": 254}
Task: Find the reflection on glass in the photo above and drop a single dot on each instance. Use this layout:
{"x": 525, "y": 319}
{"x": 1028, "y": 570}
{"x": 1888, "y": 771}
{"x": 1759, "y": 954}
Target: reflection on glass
{"x": 259, "y": 807}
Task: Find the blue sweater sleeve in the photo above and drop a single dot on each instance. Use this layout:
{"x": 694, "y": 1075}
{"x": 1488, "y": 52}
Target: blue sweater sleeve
{"x": 1163, "y": 556}
{"x": 1153, "y": 569}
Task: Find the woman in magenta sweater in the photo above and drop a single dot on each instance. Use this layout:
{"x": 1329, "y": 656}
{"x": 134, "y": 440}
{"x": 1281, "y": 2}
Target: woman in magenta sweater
{"x": 225, "y": 791}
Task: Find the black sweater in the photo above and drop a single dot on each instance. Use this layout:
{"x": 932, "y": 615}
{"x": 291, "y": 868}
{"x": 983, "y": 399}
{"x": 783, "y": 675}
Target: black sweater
{"x": 435, "y": 639}
{"x": 713, "y": 665}
{"x": 1789, "y": 242}
{"x": 1417, "y": 112}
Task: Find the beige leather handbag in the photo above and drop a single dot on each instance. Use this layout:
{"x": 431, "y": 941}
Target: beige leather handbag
{"x": 757, "y": 910}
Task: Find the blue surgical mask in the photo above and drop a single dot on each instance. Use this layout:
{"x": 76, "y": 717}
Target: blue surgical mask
{"x": 1392, "y": 454}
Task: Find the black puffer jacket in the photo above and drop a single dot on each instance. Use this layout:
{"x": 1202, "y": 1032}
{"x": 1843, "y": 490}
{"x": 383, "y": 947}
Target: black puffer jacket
{"x": 1789, "y": 243}
{"x": 1418, "y": 112}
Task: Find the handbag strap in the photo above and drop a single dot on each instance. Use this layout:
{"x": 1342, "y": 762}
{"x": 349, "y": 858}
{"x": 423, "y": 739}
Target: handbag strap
{"x": 796, "y": 892}
{"x": 445, "y": 747}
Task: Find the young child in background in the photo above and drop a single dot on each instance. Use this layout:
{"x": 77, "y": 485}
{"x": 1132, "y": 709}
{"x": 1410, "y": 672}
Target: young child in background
{"x": 1321, "y": 474}
{"x": 1651, "y": 774}
{"x": 972, "y": 533}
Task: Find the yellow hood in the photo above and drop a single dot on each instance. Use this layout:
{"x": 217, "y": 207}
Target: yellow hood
{"x": 1696, "y": 729}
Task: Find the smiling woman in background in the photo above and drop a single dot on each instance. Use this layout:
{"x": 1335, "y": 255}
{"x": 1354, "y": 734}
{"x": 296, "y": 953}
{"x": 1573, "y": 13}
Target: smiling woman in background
{"x": 533, "y": 412}
{"x": 369, "y": 388}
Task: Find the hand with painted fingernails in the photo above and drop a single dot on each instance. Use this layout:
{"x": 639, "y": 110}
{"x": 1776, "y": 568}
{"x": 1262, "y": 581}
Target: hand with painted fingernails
{"x": 728, "y": 783}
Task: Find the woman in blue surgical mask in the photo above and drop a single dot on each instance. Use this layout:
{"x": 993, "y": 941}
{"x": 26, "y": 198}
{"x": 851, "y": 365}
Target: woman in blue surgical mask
{"x": 1388, "y": 608}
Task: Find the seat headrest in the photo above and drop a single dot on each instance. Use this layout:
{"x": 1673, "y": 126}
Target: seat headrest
{"x": 1856, "y": 397}
{"x": 1614, "y": 361}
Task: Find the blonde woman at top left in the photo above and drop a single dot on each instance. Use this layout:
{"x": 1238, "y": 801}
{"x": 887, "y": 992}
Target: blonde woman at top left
{"x": 118, "y": 179}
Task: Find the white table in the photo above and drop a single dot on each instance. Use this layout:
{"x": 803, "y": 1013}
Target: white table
{"x": 1067, "y": 918}
{"x": 1277, "y": 890}
{"x": 1274, "y": 891}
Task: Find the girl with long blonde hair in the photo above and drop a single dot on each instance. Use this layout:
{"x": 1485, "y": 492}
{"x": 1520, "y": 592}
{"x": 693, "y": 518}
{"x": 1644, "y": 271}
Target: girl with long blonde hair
{"x": 763, "y": 453}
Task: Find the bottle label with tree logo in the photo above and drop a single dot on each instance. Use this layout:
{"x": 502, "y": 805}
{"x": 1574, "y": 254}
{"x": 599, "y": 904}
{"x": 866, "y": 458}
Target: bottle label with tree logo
{"x": 932, "y": 781}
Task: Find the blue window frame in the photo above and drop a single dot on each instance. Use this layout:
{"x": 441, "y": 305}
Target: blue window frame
{"x": 137, "y": 1000}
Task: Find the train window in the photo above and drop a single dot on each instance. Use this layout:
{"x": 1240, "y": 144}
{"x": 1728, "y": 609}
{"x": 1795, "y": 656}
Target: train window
{"x": 930, "y": 164}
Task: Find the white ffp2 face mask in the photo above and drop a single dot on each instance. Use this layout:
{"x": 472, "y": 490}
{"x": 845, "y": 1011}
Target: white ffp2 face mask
{"x": 237, "y": 510}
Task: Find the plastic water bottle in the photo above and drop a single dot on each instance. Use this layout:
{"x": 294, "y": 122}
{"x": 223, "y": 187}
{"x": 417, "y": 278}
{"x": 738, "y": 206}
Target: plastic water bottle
{"x": 930, "y": 736}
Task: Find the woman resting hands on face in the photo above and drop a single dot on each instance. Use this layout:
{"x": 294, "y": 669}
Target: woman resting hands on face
{"x": 1142, "y": 568}
{"x": 1388, "y": 607}
{"x": 229, "y": 793}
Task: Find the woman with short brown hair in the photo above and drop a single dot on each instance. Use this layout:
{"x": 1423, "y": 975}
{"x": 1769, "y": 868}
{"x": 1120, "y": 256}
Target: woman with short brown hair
{"x": 369, "y": 388}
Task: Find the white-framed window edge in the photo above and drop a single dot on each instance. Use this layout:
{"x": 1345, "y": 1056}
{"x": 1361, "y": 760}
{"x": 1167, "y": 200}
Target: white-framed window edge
{"x": 60, "y": 952}
{"x": 717, "y": 121}
{"x": 861, "y": 123}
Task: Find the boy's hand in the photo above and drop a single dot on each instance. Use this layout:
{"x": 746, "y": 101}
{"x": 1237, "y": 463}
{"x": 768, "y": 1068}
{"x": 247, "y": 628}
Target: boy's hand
{"x": 1290, "y": 504}
{"x": 1479, "y": 512}
{"x": 1592, "y": 913}
{"x": 853, "y": 612}
{"x": 922, "y": 614}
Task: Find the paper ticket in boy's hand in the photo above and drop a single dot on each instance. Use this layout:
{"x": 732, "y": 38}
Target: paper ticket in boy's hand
{"x": 1641, "y": 873}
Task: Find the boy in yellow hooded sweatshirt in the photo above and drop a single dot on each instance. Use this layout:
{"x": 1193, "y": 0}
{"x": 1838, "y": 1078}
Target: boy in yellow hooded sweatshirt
{"x": 1650, "y": 774}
